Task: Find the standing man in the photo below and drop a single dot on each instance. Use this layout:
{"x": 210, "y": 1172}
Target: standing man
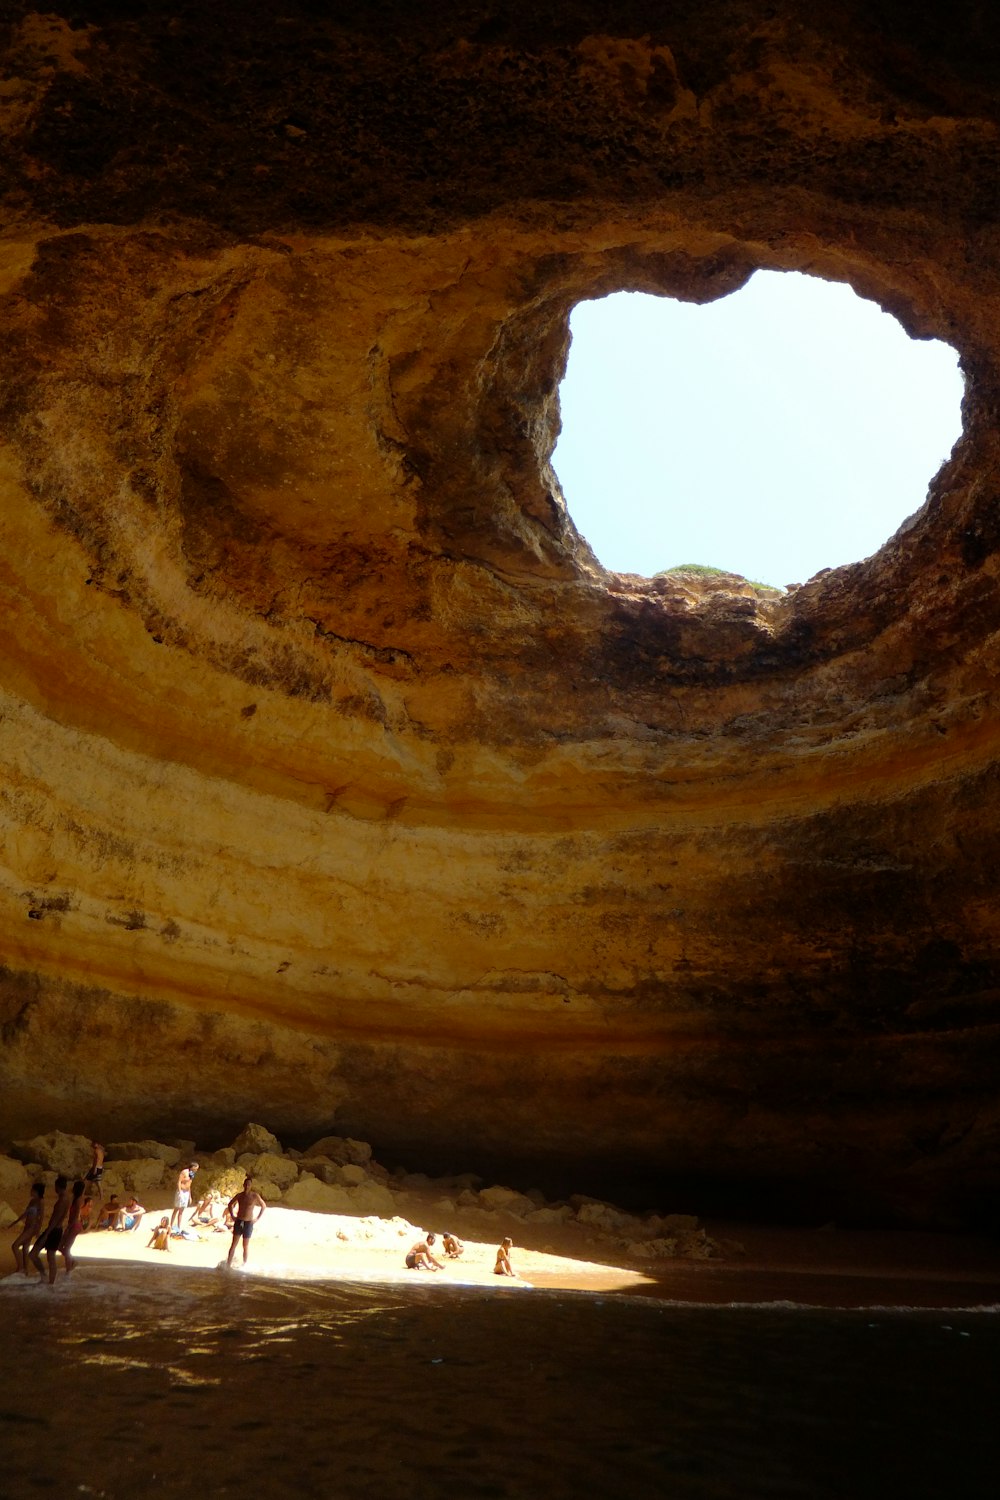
{"x": 182, "y": 1197}
{"x": 93, "y": 1177}
{"x": 51, "y": 1237}
{"x": 246, "y": 1209}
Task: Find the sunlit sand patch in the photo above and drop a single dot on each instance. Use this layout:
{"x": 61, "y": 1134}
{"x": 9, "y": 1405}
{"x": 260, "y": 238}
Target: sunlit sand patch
{"x": 296, "y": 1245}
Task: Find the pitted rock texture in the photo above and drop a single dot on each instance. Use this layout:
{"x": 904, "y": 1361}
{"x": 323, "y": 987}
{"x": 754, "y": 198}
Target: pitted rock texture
{"x": 341, "y": 786}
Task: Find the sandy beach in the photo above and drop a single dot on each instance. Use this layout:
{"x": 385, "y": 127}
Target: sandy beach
{"x": 759, "y": 1264}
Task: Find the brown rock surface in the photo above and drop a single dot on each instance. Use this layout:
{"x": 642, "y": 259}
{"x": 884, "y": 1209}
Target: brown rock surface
{"x": 341, "y": 786}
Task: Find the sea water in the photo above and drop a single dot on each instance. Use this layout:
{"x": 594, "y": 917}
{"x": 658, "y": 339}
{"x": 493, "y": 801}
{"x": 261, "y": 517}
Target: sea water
{"x": 124, "y": 1381}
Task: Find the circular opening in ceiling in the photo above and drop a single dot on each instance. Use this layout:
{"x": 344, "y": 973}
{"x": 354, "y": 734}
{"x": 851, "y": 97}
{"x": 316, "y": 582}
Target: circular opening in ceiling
{"x": 790, "y": 427}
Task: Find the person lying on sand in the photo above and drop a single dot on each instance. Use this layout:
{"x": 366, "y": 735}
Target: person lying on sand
{"x": 246, "y": 1209}
{"x": 503, "y": 1266}
{"x": 160, "y": 1237}
{"x": 31, "y": 1218}
{"x": 420, "y": 1257}
{"x": 453, "y": 1246}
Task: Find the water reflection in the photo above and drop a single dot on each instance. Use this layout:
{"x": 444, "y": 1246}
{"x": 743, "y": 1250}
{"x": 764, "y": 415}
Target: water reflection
{"x": 366, "y": 1390}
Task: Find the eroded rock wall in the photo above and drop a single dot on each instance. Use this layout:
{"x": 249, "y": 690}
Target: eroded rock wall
{"x": 340, "y": 783}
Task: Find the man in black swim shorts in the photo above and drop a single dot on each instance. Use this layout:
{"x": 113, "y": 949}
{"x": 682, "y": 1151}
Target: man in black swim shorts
{"x": 51, "y": 1237}
{"x": 246, "y": 1209}
{"x": 94, "y": 1175}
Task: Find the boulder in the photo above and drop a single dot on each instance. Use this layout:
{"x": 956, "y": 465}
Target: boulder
{"x": 697, "y": 1246}
{"x": 658, "y": 1249}
{"x": 506, "y": 1200}
{"x": 140, "y": 1176}
{"x": 56, "y": 1152}
{"x": 8, "y": 1215}
{"x": 352, "y": 1175}
{"x": 318, "y": 1197}
{"x": 226, "y": 1181}
{"x": 601, "y": 1216}
{"x": 271, "y": 1168}
{"x": 372, "y": 1198}
{"x": 15, "y": 1182}
{"x": 340, "y": 1149}
{"x": 327, "y": 1171}
{"x": 254, "y": 1139}
{"x": 671, "y": 1224}
{"x": 141, "y": 1150}
{"x": 268, "y": 1190}
{"x": 459, "y": 1182}
{"x": 554, "y": 1215}
{"x": 415, "y": 1180}
{"x": 224, "y": 1158}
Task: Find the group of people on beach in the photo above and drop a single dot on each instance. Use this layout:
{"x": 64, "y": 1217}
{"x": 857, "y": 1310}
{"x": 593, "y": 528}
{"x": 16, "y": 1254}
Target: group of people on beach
{"x": 420, "y": 1256}
{"x": 83, "y": 1208}
{"x": 71, "y": 1213}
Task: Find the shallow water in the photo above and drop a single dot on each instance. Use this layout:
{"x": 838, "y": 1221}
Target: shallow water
{"x": 194, "y": 1383}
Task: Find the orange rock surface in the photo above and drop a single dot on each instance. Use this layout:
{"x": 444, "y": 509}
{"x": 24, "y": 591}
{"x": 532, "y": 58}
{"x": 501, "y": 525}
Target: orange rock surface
{"x": 340, "y": 783}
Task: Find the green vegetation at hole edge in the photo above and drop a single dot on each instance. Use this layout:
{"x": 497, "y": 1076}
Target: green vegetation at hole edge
{"x": 704, "y": 571}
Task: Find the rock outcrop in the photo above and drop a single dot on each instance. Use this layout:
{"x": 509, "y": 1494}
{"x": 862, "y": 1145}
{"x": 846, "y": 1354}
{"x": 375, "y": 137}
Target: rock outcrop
{"x": 340, "y": 785}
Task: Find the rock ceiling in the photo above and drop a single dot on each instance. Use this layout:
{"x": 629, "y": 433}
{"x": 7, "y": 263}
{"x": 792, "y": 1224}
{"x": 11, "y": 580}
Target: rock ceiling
{"x": 340, "y": 783}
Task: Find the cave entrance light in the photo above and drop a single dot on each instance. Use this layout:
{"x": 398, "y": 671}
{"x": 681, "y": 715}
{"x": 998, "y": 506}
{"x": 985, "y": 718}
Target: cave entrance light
{"x": 789, "y": 427}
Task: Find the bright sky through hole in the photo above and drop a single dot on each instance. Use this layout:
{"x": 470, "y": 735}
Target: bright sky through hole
{"x": 789, "y": 427}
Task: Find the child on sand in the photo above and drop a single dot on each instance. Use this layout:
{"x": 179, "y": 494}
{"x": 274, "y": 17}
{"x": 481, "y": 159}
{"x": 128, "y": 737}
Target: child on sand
{"x": 32, "y": 1218}
{"x": 453, "y": 1246}
{"x": 160, "y": 1237}
{"x": 503, "y": 1267}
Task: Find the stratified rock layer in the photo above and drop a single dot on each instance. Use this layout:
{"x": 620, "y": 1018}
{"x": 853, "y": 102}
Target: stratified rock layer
{"x": 341, "y": 785}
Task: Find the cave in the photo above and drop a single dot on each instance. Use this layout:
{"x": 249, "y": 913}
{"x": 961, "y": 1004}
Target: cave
{"x": 342, "y": 787}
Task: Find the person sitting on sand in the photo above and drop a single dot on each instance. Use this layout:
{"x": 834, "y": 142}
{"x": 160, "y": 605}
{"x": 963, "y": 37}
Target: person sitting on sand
{"x": 246, "y": 1208}
{"x": 160, "y": 1237}
{"x": 32, "y": 1221}
{"x": 453, "y": 1246}
{"x": 87, "y": 1208}
{"x": 107, "y": 1217}
{"x": 420, "y": 1257}
{"x": 503, "y": 1266}
{"x": 50, "y": 1238}
{"x": 129, "y": 1217}
{"x": 207, "y": 1210}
